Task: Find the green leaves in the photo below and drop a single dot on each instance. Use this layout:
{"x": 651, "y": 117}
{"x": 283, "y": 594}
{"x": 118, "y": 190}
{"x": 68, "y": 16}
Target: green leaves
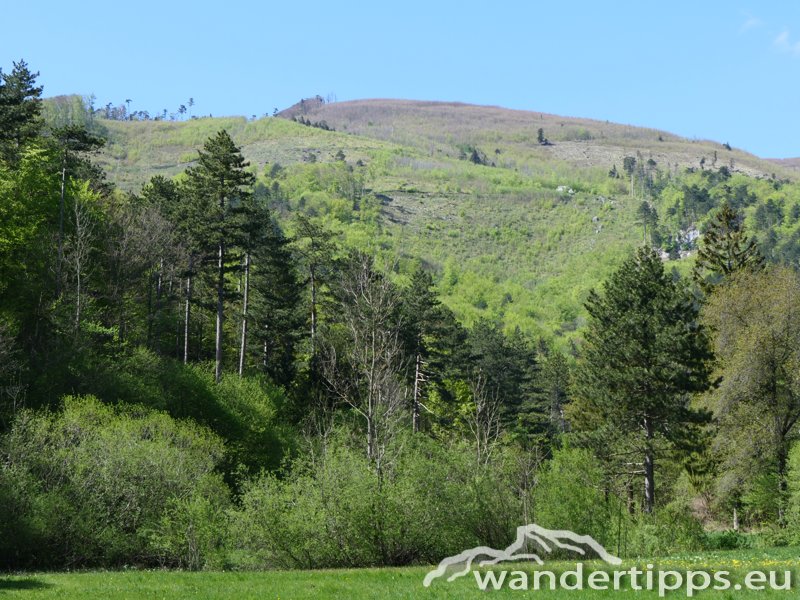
{"x": 215, "y": 192}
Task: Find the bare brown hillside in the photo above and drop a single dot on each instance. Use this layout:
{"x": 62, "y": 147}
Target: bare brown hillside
{"x": 510, "y": 137}
{"x": 792, "y": 164}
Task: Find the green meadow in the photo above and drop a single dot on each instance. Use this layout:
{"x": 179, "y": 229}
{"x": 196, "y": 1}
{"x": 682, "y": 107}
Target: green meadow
{"x": 387, "y": 583}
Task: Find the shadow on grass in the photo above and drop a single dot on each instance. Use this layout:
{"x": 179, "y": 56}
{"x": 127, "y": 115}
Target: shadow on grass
{"x": 25, "y": 583}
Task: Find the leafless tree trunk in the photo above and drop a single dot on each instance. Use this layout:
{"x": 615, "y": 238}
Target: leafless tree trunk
{"x": 220, "y": 310}
{"x": 313, "y": 285}
{"x": 11, "y": 387}
{"x": 243, "y": 346}
{"x": 485, "y": 420}
{"x": 649, "y": 468}
{"x": 373, "y": 384}
{"x": 187, "y": 310}
{"x": 419, "y": 380}
{"x": 60, "y": 258}
{"x": 76, "y": 255}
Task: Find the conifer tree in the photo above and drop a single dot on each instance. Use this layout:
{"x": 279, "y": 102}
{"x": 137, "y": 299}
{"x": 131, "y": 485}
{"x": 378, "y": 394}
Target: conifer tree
{"x": 645, "y": 353}
{"x": 724, "y": 249}
{"x": 218, "y": 186}
{"x": 20, "y": 107}
{"x": 429, "y": 329}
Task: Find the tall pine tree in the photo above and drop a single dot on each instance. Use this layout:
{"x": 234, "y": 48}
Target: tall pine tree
{"x": 645, "y": 353}
{"x": 219, "y": 185}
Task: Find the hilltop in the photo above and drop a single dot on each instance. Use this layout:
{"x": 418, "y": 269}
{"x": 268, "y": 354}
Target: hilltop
{"x": 448, "y": 127}
{"x": 514, "y": 229}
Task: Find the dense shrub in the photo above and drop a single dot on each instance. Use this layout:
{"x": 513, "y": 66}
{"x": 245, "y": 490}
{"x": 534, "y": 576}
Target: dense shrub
{"x": 243, "y": 411}
{"x": 793, "y": 504}
{"x": 672, "y": 528}
{"x": 570, "y": 495}
{"x": 728, "y": 540}
{"x": 336, "y": 511}
{"x": 98, "y": 485}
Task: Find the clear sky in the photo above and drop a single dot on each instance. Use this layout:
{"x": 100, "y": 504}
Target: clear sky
{"x": 725, "y": 71}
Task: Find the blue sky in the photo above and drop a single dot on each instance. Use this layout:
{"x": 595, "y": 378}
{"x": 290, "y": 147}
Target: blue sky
{"x": 705, "y": 69}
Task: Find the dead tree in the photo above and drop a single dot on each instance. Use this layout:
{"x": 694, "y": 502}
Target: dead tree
{"x": 484, "y": 420}
{"x": 367, "y": 373}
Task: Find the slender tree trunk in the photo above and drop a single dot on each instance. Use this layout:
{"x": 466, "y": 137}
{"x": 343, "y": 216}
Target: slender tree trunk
{"x": 60, "y": 258}
{"x": 371, "y": 439}
{"x": 243, "y": 347}
{"x": 649, "y": 468}
{"x": 187, "y": 311}
{"x": 157, "y": 308}
{"x": 783, "y": 487}
{"x": 417, "y": 392}
{"x": 78, "y": 298}
{"x": 149, "y": 312}
{"x": 313, "y": 283}
{"x": 631, "y": 501}
{"x": 220, "y": 310}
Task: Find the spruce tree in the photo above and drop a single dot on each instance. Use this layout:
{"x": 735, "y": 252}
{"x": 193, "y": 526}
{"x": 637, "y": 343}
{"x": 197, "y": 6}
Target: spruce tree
{"x": 271, "y": 319}
{"x": 724, "y": 249}
{"x": 20, "y": 107}
{"x": 428, "y": 331}
{"x": 645, "y": 353}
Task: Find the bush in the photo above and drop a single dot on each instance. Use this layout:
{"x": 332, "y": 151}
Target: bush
{"x": 728, "y": 540}
{"x": 792, "y": 534}
{"x": 99, "y": 481}
{"x": 192, "y": 532}
{"x": 570, "y": 495}
{"x": 670, "y": 529}
{"x": 243, "y": 411}
{"x": 23, "y": 517}
{"x": 336, "y": 511}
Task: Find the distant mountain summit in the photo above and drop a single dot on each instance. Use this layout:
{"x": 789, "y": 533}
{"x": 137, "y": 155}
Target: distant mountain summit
{"x": 302, "y": 108}
{"x": 455, "y": 129}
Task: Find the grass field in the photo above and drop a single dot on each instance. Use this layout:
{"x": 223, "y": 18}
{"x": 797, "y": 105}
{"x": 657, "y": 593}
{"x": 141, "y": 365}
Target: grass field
{"x": 377, "y": 583}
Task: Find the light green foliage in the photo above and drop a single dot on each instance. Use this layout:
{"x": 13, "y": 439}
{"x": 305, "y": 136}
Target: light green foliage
{"x": 756, "y": 324}
{"x": 569, "y": 495}
{"x": 96, "y": 480}
{"x": 335, "y": 510}
{"x": 793, "y": 484}
{"x": 243, "y": 411}
{"x": 524, "y": 252}
{"x": 671, "y": 530}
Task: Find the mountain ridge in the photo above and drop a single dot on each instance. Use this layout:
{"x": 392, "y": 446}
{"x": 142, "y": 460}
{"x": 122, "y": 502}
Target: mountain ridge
{"x": 576, "y": 135}
{"x": 513, "y": 229}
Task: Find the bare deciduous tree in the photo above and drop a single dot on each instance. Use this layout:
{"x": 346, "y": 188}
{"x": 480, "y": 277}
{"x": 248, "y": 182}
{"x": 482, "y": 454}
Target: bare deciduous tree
{"x": 367, "y": 374}
{"x": 484, "y": 419}
{"x": 77, "y": 249}
{"x": 12, "y": 390}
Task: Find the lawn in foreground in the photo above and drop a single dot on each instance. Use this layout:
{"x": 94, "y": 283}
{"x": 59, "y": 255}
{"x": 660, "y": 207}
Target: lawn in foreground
{"x": 358, "y": 584}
